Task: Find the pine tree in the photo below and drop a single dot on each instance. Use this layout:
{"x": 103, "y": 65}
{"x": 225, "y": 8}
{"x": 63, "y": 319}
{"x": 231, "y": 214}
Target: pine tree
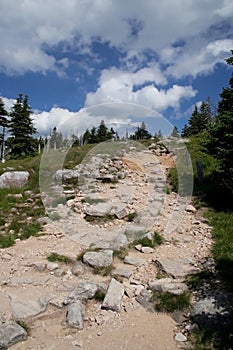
{"x": 21, "y": 127}
{"x": 221, "y": 133}
{"x": 3, "y": 126}
{"x": 175, "y": 132}
{"x": 199, "y": 121}
{"x": 142, "y": 133}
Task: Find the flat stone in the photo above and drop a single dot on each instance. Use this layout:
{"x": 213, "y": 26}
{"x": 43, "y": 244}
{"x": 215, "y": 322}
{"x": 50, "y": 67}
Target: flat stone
{"x": 132, "y": 231}
{"x": 177, "y": 268}
{"x": 122, "y": 272}
{"x": 15, "y": 281}
{"x": 147, "y": 250}
{"x": 99, "y": 209}
{"x": 168, "y": 285}
{"x": 74, "y": 316}
{"x": 27, "y": 308}
{"x": 84, "y": 290}
{"x": 11, "y": 333}
{"x": 52, "y": 266}
{"x": 180, "y": 337}
{"x": 102, "y": 258}
{"x": 121, "y": 241}
{"x": 113, "y": 297}
{"x": 134, "y": 261}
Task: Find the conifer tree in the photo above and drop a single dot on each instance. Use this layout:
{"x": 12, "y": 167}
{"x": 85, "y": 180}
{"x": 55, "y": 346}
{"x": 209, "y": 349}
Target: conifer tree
{"x": 22, "y": 129}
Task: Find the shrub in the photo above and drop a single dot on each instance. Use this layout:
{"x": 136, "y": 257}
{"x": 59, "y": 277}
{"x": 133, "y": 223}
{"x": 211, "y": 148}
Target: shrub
{"x": 60, "y": 258}
{"x": 169, "y": 302}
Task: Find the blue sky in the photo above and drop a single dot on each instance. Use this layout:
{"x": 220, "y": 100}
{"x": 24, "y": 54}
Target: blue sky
{"x": 146, "y": 59}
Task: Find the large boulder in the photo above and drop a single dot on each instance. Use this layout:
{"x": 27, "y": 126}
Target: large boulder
{"x": 14, "y": 179}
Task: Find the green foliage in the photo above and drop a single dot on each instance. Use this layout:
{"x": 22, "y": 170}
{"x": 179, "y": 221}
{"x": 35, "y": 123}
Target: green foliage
{"x": 120, "y": 253}
{"x": 196, "y": 281}
{"x": 199, "y": 121}
{"x": 103, "y": 271}
{"x": 54, "y": 216}
{"x": 169, "y": 302}
{"x": 60, "y": 258}
{"x": 6, "y": 240}
{"x": 132, "y": 216}
{"x": 99, "y": 295}
{"x": 21, "y": 142}
{"x": 222, "y": 248}
{"x": 100, "y": 134}
{"x": 147, "y": 242}
{"x": 141, "y": 133}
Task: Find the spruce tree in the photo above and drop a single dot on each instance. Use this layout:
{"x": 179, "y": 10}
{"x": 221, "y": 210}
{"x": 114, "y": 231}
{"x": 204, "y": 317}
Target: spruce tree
{"x": 21, "y": 126}
{"x": 221, "y": 133}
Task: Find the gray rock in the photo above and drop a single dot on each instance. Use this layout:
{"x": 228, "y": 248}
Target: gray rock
{"x": 122, "y": 272}
{"x": 11, "y": 333}
{"x": 66, "y": 174}
{"x": 190, "y": 209}
{"x": 75, "y": 313}
{"x": 133, "y": 231}
{"x": 15, "y": 281}
{"x": 168, "y": 285}
{"x": 134, "y": 261}
{"x": 102, "y": 258}
{"x": 113, "y": 297}
{"x": 144, "y": 299}
{"x": 180, "y": 337}
{"x": 52, "y": 266}
{"x": 99, "y": 209}
{"x": 120, "y": 210}
{"x": 177, "y": 267}
{"x": 147, "y": 250}
{"x": 27, "y": 308}
{"x": 11, "y": 179}
{"x": 84, "y": 290}
{"x": 77, "y": 268}
{"x": 121, "y": 241}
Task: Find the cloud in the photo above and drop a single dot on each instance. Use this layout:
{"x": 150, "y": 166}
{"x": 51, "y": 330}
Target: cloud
{"x": 188, "y": 61}
{"x": 117, "y": 85}
{"x": 31, "y": 31}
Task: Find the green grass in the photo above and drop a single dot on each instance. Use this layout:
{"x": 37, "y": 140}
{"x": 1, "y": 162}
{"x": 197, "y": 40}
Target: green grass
{"x": 99, "y": 295}
{"x": 103, "y": 271}
{"x": 195, "y": 281}
{"x": 168, "y": 302}
{"x": 222, "y": 249}
{"x": 59, "y": 258}
{"x": 7, "y": 240}
{"x": 120, "y": 253}
{"x": 156, "y": 240}
{"x": 99, "y": 219}
{"x": 132, "y": 216}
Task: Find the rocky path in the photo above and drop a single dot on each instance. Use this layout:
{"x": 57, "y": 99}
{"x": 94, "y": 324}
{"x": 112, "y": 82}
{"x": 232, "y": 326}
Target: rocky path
{"x": 58, "y": 301}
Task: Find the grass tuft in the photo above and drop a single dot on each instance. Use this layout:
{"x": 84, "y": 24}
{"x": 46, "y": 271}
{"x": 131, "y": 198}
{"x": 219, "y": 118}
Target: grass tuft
{"x": 60, "y": 258}
{"x": 169, "y": 302}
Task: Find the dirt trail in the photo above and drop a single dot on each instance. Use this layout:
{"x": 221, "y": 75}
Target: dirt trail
{"x": 25, "y": 275}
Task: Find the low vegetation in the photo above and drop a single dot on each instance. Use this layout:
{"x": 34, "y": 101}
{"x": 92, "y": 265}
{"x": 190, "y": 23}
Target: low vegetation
{"x": 59, "y": 258}
{"x": 156, "y": 240}
{"x": 168, "y": 302}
